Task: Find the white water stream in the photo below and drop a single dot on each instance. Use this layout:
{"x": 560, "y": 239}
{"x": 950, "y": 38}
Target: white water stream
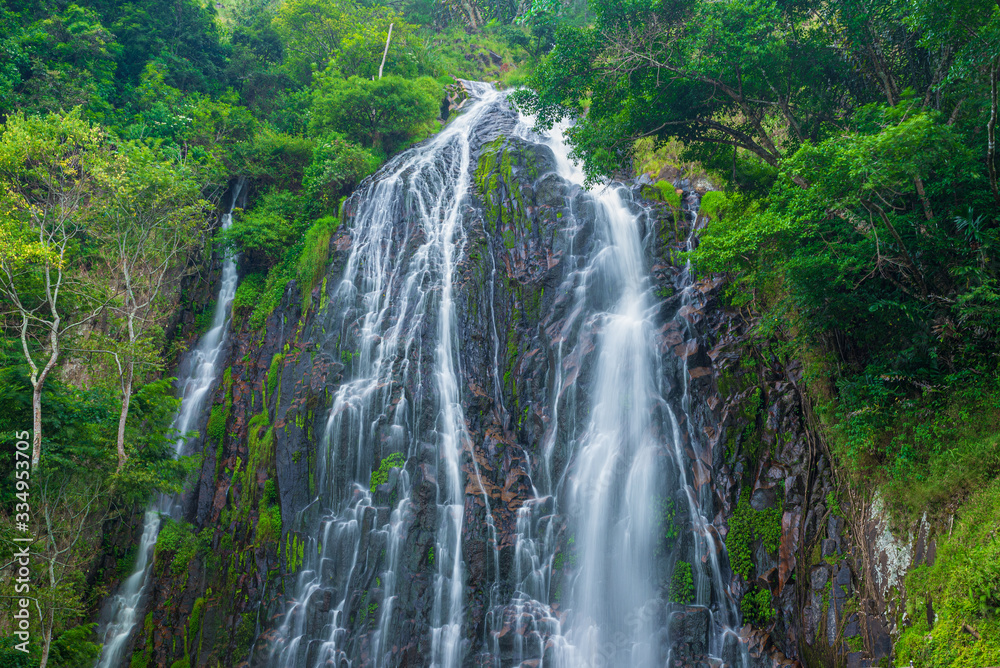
{"x": 200, "y": 369}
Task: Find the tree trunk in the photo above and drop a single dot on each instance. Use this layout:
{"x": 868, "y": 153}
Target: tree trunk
{"x": 928, "y": 212}
{"x": 991, "y": 126}
{"x": 36, "y": 424}
{"x": 123, "y": 417}
{"x": 36, "y": 396}
{"x": 46, "y": 638}
{"x": 386, "y": 52}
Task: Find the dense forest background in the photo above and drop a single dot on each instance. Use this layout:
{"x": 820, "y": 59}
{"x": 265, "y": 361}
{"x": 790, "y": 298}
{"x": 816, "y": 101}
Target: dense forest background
{"x": 852, "y": 144}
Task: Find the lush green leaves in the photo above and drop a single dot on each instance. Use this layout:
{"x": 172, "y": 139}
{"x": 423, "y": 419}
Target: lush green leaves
{"x": 383, "y": 113}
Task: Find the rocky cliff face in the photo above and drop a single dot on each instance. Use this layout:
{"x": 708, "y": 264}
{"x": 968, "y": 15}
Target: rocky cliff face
{"x": 308, "y": 477}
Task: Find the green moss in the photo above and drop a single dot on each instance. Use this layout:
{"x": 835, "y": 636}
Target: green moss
{"x": 663, "y": 191}
{"x": 430, "y": 556}
{"x": 755, "y": 606}
{"x": 682, "y": 583}
{"x": 315, "y": 252}
{"x": 260, "y": 453}
{"x": 247, "y": 295}
{"x": 246, "y": 630}
{"x": 665, "y": 526}
{"x": 964, "y": 585}
{"x": 143, "y": 659}
{"x": 219, "y": 416}
{"x": 273, "y": 373}
{"x": 268, "y": 526}
{"x": 380, "y": 476}
{"x": 217, "y": 422}
{"x": 177, "y": 544}
{"x": 745, "y": 525}
{"x": 294, "y": 552}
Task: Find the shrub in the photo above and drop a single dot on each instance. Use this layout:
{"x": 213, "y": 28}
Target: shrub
{"x": 274, "y": 158}
{"x": 264, "y": 234}
{"x": 336, "y": 168}
{"x": 383, "y": 113}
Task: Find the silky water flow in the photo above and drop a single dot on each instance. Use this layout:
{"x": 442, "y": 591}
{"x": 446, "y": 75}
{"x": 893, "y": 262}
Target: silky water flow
{"x": 200, "y": 371}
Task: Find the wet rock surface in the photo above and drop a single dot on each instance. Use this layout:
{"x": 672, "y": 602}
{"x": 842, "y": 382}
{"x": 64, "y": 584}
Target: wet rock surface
{"x": 524, "y": 228}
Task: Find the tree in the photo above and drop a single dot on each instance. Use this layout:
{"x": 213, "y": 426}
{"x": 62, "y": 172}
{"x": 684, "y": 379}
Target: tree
{"x": 755, "y": 76}
{"x": 44, "y": 184}
{"x": 148, "y": 213}
{"x": 383, "y": 113}
{"x": 346, "y": 35}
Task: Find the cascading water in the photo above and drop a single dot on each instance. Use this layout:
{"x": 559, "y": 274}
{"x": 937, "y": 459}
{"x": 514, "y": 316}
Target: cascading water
{"x": 396, "y": 297}
{"x": 385, "y": 577}
{"x": 200, "y": 369}
{"x": 626, "y": 463}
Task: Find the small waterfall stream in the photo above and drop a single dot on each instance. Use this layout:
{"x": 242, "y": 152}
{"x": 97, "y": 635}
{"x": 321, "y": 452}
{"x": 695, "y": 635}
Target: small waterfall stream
{"x": 200, "y": 369}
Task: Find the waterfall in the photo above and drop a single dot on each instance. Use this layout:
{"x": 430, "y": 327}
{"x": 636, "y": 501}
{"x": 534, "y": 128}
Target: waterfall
{"x": 393, "y": 323}
{"x": 200, "y": 369}
{"x": 612, "y": 512}
{"x": 627, "y": 466}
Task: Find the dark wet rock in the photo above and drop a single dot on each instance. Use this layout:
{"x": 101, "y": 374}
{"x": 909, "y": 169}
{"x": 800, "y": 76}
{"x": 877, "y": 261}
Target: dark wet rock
{"x": 763, "y": 499}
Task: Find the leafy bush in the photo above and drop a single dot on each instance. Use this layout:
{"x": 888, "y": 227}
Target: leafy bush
{"x": 336, "y": 168}
{"x": 964, "y": 584}
{"x": 73, "y": 648}
{"x": 264, "y": 234}
{"x": 384, "y": 113}
{"x": 274, "y": 158}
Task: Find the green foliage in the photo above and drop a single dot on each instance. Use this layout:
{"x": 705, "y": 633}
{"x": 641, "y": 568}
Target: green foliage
{"x": 178, "y": 543}
{"x": 928, "y": 445}
{"x": 337, "y": 167}
{"x": 268, "y": 525}
{"x": 747, "y": 525}
{"x": 682, "y": 583}
{"x": 380, "y": 476}
{"x": 216, "y": 429}
{"x": 755, "y": 606}
{"x": 272, "y": 374}
{"x": 264, "y": 234}
{"x": 964, "y": 585}
{"x": 274, "y": 159}
{"x": 384, "y": 113}
{"x": 833, "y": 505}
{"x": 480, "y": 56}
{"x": 316, "y": 250}
{"x": 713, "y": 204}
{"x": 666, "y": 529}
{"x": 345, "y": 36}
{"x": 248, "y": 294}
